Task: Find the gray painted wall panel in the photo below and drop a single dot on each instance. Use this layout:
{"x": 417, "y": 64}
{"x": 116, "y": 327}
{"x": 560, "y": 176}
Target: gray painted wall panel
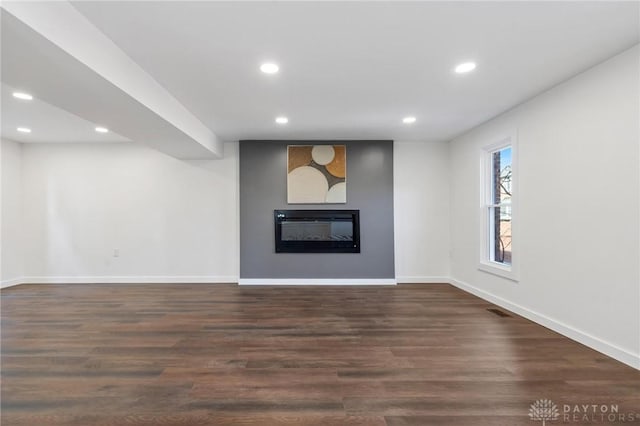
{"x": 263, "y": 188}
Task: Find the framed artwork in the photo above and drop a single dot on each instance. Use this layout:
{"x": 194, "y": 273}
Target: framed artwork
{"x": 316, "y": 174}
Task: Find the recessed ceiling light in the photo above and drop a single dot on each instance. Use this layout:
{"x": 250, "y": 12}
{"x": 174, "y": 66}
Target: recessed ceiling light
{"x": 466, "y": 67}
{"x": 22, "y": 95}
{"x": 269, "y": 68}
{"x": 24, "y": 129}
{"x": 282, "y": 120}
{"x": 102, "y": 129}
{"x": 409, "y": 120}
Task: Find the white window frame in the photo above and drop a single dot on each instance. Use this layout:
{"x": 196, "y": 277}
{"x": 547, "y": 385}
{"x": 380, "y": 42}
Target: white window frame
{"x": 486, "y": 234}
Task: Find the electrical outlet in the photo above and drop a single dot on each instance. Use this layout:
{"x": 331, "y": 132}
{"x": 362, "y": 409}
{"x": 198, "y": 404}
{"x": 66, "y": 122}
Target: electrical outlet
{"x": 116, "y": 252}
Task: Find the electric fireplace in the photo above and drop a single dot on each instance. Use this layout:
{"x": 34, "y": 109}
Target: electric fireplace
{"x": 317, "y": 231}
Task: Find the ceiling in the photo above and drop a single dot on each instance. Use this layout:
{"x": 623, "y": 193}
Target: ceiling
{"x": 48, "y": 124}
{"x": 352, "y": 70}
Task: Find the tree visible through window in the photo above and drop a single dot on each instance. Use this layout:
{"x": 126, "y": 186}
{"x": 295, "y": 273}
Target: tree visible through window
{"x": 500, "y": 206}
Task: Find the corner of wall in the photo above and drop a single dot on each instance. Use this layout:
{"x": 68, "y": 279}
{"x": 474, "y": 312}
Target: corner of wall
{"x": 11, "y": 244}
{"x": 554, "y": 324}
{"x": 12, "y": 282}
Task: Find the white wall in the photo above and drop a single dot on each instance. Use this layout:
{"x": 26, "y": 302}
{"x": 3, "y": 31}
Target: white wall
{"x": 174, "y": 220}
{"x": 421, "y": 211}
{"x": 11, "y": 257}
{"x": 169, "y": 219}
{"x": 578, "y": 200}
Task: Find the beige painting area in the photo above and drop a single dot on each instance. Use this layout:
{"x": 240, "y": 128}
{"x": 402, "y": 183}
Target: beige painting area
{"x": 316, "y": 174}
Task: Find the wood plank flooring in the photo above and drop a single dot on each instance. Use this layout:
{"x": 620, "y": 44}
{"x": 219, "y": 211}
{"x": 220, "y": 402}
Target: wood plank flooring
{"x": 176, "y": 354}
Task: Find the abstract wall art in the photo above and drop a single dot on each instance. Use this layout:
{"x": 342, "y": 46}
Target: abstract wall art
{"x": 316, "y": 174}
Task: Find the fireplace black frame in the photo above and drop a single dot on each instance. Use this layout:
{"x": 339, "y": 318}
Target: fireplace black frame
{"x": 316, "y": 246}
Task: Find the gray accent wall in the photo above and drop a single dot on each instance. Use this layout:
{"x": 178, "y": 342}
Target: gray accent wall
{"x": 263, "y": 189}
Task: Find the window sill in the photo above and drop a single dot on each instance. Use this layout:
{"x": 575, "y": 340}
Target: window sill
{"x": 499, "y": 270}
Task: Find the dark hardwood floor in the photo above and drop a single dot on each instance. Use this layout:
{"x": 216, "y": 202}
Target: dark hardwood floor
{"x": 94, "y": 355}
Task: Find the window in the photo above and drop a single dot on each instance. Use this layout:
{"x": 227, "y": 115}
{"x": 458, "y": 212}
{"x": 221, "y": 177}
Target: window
{"x": 497, "y": 254}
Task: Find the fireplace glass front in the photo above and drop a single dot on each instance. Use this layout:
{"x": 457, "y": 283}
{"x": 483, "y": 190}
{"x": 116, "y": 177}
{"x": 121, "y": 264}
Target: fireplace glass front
{"x": 317, "y": 231}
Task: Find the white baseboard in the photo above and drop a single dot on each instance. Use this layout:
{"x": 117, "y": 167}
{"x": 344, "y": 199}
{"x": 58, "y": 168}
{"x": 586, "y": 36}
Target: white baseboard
{"x": 579, "y": 336}
{"x": 316, "y": 281}
{"x": 406, "y": 279}
{"x": 11, "y": 282}
{"x": 132, "y": 279}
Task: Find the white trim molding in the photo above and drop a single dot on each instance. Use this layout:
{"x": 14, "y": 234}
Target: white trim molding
{"x": 509, "y": 138}
{"x": 566, "y": 330}
{"x": 11, "y": 282}
{"x": 317, "y": 281}
{"x": 408, "y": 279}
{"x": 133, "y": 279}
